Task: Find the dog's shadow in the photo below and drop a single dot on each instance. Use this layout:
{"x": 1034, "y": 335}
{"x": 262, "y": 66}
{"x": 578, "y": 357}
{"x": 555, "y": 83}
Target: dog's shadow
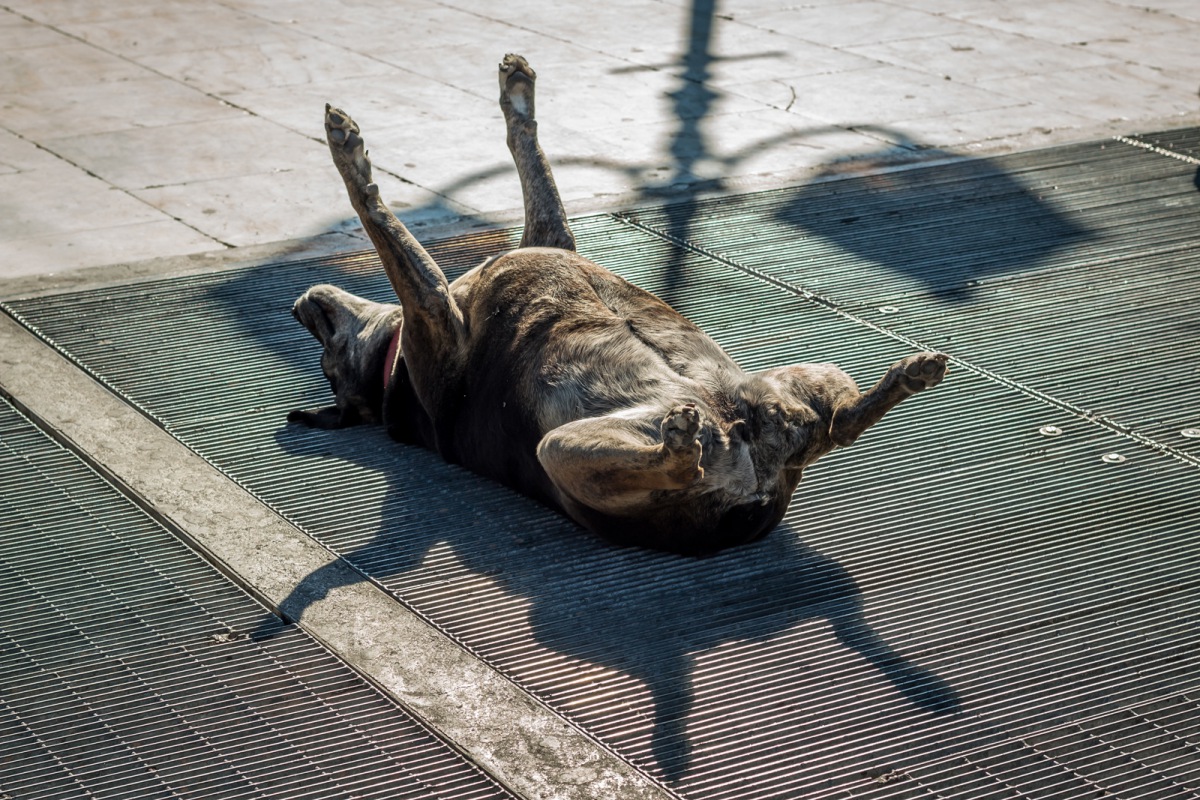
{"x": 640, "y": 615}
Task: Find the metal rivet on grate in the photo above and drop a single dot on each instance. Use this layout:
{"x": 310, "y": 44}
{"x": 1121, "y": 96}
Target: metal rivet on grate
{"x": 1190, "y": 433}
{"x": 1050, "y": 430}
{"x": 1112, "y": 458}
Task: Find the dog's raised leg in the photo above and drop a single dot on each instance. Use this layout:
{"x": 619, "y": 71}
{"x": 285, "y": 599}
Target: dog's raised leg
{"x": 905, "y": 378}
{"x": 545, "y": 219}
{"x": 433, "y": 323}
{"x": 613, "y": 463}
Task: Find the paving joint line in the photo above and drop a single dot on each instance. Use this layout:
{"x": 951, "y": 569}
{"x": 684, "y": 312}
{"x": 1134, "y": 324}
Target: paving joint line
{"x": 832, "y": 305}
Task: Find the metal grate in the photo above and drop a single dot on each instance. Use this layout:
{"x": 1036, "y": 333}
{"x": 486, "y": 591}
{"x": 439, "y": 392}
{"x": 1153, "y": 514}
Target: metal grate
{"x": 1183, "y": 142}
{"x": 952, "y": 589}
{"x": 1069, "y": 271}
{"x": 1147, "y": 751}
{"x": 121, "y": 678}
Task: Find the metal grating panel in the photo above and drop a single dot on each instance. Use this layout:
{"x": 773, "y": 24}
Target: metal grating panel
{"x": 1147, "y": 751}
{"x": 954, "y": 585}
{"x": 1182, "y": 142}
{"x": 118, "y": 681}
{"x": 1069, "y": 271}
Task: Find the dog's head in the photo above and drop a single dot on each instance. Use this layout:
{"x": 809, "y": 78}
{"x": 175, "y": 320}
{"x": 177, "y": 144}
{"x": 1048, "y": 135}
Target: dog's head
{"x": 355, "y": 334}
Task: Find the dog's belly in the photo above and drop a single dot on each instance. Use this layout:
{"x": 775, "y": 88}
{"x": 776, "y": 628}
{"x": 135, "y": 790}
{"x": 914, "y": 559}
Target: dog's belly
{"x": 578, "y": 340}
{"x": 555, "y": 338}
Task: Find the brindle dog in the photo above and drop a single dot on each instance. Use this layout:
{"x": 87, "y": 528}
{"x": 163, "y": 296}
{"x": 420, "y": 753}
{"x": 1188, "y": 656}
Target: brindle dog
{"x": 546, "y": 372}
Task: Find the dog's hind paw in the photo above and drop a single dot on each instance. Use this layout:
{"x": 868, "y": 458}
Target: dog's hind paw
{"x": 922, "y": 371}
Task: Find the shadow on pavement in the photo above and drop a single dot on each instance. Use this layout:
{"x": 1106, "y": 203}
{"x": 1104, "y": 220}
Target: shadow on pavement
{"x": 643, "y": 614}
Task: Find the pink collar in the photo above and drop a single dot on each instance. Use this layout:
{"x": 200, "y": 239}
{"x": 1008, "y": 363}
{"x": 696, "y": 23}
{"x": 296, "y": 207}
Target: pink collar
{"x": 390, "y": 361}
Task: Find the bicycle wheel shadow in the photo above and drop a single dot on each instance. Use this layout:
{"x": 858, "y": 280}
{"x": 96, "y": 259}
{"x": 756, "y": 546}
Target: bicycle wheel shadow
{"x": 600, "y": 619}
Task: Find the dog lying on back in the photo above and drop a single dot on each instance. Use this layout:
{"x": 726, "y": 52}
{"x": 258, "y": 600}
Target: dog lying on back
{"x": 548, "y": 373}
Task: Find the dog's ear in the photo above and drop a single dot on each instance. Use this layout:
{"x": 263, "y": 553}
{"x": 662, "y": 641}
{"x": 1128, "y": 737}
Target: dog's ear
{"x": 328, "y": 418}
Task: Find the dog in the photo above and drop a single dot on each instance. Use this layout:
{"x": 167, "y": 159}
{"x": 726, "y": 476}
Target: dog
{"x": 546, "y": 372}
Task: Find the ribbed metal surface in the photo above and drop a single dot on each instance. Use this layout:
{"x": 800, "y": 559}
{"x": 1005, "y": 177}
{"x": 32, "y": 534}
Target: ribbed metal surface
{"x": 952, "y": 593}
{"x": 1072, "y": 271}
{"x": 1145, "y": 751}
{"x": 117, "y": 683}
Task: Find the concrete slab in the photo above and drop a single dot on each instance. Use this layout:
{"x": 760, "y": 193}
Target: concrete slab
{"x": 1172, "y": 51}
{"x": 982, "y": 54}
{"x": 279, "y": 63}
{"x": 244, "y": 210}
{"x": 900, "y": 94}
{"x": 199, "y": 27}
{"x": 1073, "y": 21}
{"x": 192, "y": 151}
{"x": 120, "y": 105}
{"x": 1178, "y": 8}
{"x": 65, "y": 12}
{"x": 627, "y": 82}
{"x": 1098, "y": 93}
{"x": 377, "y": 101}
{"x": 80, "y": 203}
{"x": 18, "y": 33}
{"x": 63, "y": 63}
{"x": 848, "y": 24}
{"x": 35, "y": 256}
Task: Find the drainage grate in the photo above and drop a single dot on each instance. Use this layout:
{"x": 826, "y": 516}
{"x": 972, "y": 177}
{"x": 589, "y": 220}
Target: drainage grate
{"x": 1147, "y": 751}
{"x": 122, "y": 677}
{"x": 945, "y": 595}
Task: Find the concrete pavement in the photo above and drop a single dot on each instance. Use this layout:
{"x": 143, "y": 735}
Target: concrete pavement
{"x": 149, "y": 135}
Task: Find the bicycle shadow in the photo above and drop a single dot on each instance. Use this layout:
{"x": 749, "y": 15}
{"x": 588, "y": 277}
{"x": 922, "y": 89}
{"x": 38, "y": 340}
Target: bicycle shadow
{"x": 643, "y": 615}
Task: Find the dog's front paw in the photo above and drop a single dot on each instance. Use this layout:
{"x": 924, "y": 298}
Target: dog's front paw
{"x": 516, "y": 86}
{"x": 349, "y": 155}
{"x": 681, "y": 442}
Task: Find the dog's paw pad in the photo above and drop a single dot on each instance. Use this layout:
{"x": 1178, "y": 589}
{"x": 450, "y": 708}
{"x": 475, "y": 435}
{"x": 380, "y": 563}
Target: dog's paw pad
{"x": 346, "y": 144}
{"x": 923, "y": 371}
{"x": 516, "y": 85}
{"x": 681, "y": 426}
